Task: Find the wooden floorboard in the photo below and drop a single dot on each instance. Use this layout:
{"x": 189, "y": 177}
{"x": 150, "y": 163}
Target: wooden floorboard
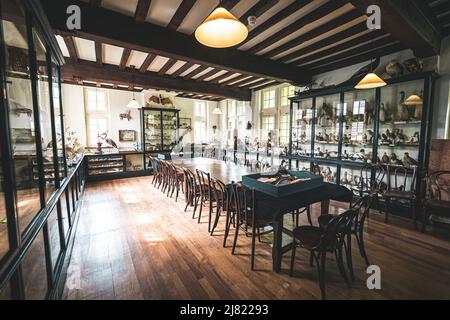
{"x": 133, "y": 242}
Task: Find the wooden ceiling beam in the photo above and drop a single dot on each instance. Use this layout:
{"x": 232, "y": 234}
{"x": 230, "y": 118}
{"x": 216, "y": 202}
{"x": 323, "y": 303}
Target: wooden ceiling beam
{"x": 113, "y": 28}
{"x": 320, "y": 12}
{"x": 406, "y": 22}
{"x": 387, "y": 40}
{"x": 169, "y": 64}
{"x": 269, "y": 85}
{"x": 194, "y": 72}
{"x": 182, "y": 69}
{"x": 363, "y": 57}
{"x": 95, "y": 3}
{"x": 326, "y": 27}
{"x": 221, "y": 77}
{"x": 99, "y": 53}
{"x": 147, "y": 62}
{"x": 91, "y": 71}
{"x": 258, "y": 10}
{"x": 347, "y": 33}
{"x": 373, "y": 37}
{"x": 207, "y": 75}
{"x": 85, "y": 84}
{"x": 256, "y": 83}
{"x": 236, "y": 80}
{"x": 281, "y": 15}
{"x": 180, "y": 14}
{"x": 124, "y": 60}
{"x": 142, "y": 10}
{"x": 70, "y": 44}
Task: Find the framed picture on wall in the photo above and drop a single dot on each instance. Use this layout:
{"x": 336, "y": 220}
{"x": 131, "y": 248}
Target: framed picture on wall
{"x": 185, "y": 123}
{"x": 127, "y": 135}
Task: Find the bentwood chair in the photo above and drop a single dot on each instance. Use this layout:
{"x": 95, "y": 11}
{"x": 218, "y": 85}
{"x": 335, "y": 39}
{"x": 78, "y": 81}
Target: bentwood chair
{"x": 401, "y": 187}
{"x": 361, "y": 209}
{"x": 177, "y": 180}
{"x": 221, "y": 195}
{"x": 247, "y": 217}
{"x": 365, "y": 185}
{"x": 320, "y": 241}
{"x": 437, "y": 201}
{"x": 207, "y": 196}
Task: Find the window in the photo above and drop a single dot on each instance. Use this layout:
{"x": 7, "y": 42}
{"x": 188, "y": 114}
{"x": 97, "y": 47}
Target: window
{"x": 359, "y": 107}
{"x": 284, "y": 129}
{"x": 200, "y": 122}
{"x": 269, "y": 99}
{"x": 286, "y": 93}
{"x": 268, "y": 124}
{"x": 97, "y": 116}
{"x": 200, "y": 109}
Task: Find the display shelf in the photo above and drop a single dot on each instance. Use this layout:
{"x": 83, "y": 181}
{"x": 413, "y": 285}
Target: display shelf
{"x": 335, "y": 127}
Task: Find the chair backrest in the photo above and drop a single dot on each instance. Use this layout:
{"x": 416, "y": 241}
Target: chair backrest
{"x": 402, "y": 178}
{"x": 439, "y": 186}
{"x": 368, "y": 183}
{"x": 244, "y": 202}
{"x": 221, "y": 190}
{"x": 362, "y": 209}
{"x": 204, "y": 179}
{"x": 335, "y": 228}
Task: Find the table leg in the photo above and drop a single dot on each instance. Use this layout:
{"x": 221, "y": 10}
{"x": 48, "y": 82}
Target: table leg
{"x": 325, "y": 207}
{"x": 277, "y": 243}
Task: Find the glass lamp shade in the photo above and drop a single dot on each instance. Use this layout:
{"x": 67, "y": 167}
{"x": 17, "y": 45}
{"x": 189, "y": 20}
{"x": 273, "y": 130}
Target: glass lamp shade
{"x": 413, "y": 100}
{"x": 217, "y": 111}
{"x": 221, "y": 30}
{"x": 133, "y": 104}
{"x": 370, "y": 81}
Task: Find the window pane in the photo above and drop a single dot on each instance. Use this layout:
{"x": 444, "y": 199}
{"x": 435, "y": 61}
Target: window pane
{"x": 20, "y": 107}
{"x": 45, "y": 116}
{"x": 53, "y": 233}
{"x": 4, "y": 242}
{"x": 34, "y": 270}
{"x": 57, "y": 121}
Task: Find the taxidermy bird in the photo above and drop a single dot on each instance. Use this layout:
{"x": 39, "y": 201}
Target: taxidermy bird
{"x": 413, "y": 65}
{"x": 394, "y": 69}
{"x": 395, "y": 161}
{"x": 385, "y": 159}
{"x": 383, "y": 113}
{"x": 408, "y": 161}
{"x": 345, "y": 156}
{"x": 402, "y": 111}
{"x": 344, "y": 180}
{"x": 109, "y": 141}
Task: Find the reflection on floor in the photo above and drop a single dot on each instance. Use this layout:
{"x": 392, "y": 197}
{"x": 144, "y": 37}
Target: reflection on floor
{"x": 135, "y": 243}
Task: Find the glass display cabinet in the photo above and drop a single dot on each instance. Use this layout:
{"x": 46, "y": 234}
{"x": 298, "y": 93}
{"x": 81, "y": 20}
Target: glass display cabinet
{"x": 160, "y": 129}
{"x": 327, "y": 126}
{"x": 336, "y": 131}
{"x": 39, "y": 194}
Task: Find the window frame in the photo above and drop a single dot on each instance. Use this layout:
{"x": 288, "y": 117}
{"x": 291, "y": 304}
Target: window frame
{"x": 95, "y": 114}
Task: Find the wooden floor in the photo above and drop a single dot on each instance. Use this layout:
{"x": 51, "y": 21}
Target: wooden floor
{"x": 135, "y": 243}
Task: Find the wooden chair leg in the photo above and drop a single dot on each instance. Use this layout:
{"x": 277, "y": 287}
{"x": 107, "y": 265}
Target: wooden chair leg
{"x": 340, "y": 263}
{"x": 413, "y": 208}
{"x": 294, "y": 248}
{"x": 227, "y": 227}
{"x": 253, "y": 247}
{"x": 348, "y": 255}
{"x": 308, "y": 213}
{"x": 235, "y": 239}
{"x": 388, "y": 208}
{"x": 362, "y": 249}
{"x": 323, "y": 258}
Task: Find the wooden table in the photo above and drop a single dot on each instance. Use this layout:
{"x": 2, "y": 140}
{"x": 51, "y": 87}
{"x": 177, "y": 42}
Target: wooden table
{"x": 229, "y": 173}
{"x": 218, "y": 169}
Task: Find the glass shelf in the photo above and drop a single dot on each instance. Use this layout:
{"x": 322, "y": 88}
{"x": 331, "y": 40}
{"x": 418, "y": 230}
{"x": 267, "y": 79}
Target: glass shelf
{"x": 400, "y": 124}
{"x": 327, "y": 126}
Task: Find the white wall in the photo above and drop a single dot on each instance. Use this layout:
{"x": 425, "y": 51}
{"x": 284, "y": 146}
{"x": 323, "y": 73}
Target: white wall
{"x": 74, "y": 113}
{"x": 73, "y": 99}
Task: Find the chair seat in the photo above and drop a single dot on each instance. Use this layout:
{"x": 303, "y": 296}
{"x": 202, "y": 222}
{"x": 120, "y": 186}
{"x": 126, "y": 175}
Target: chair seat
{"x": 400, "y": 194}
{"x": 325, "y": 219}
{"x": 308, "y": 236}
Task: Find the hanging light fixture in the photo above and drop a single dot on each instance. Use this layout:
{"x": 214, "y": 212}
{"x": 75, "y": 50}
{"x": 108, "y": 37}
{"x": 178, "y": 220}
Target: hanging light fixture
{"x": 221, "y": 30}
{"x": 217, "y": 110}
{"x": 413, "y": 100}
{"x": 133, "y": 104}
{"x": 370, "y": 81}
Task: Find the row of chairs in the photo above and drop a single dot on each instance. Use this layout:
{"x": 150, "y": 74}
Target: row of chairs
{"x": 239, "y": 203}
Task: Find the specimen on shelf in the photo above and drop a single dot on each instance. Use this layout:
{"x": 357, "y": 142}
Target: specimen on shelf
{"x": 408, "y": 161}
{"x": 402, "y": 111}
{"x": 394, "y": 69}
